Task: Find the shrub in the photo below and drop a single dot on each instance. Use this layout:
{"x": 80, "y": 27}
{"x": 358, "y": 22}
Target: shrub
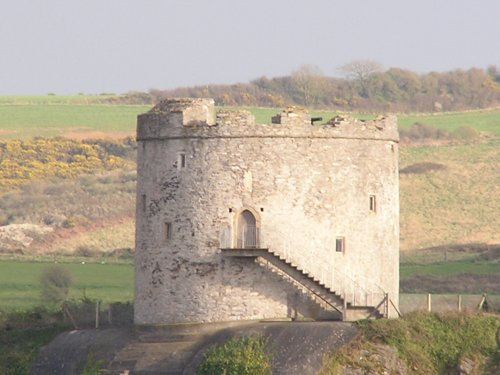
{"x": 419, "y": 131}
{"x": 238, "y": 356}
{"x": 86, "y": 251}
{"x": 466, "y": 133}
{"x": 93, "y": 366}
{"x": 427, "y": 343}
{"x": 420, "y": 168}
{"x": 56, "y": 282}
{"x": 24, "y": 161}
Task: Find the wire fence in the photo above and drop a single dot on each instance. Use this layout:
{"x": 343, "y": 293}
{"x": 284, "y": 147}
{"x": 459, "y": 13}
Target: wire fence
{"x": 442, "y": 303}
{"x": 97, "y": 315}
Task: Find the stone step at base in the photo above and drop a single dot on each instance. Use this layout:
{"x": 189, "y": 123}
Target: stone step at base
{"x": 168, "y": 357}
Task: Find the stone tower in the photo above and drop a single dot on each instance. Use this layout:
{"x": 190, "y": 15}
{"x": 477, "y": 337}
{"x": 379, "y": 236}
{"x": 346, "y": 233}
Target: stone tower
{"x": 238, "y": 220}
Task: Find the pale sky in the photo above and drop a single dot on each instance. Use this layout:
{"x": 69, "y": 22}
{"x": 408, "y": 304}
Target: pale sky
{"x": 95, "y": 46}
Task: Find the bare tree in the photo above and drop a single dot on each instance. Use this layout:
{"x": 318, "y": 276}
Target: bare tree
{"x": 309, "y": 82}
{"x": 360, "y": 71}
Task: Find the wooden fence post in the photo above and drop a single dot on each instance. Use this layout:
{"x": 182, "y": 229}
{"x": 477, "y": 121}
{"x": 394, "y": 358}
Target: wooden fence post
{"x": 429, "y": 302}
{"x": 483, "y": 304}
{"x": 97, "y": 314}
{"x": 459, "y": 303}
{"x": 110, "y": 314}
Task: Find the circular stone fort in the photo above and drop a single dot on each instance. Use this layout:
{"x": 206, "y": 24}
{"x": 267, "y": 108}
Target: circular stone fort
{"x": 240, "y": 221}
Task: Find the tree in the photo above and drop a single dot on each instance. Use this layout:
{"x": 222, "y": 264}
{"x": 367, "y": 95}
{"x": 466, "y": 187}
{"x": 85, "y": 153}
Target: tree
{"x": 308, "y": 80}
{"x": 360, "y": 71}
{"x": 56, "y": 282}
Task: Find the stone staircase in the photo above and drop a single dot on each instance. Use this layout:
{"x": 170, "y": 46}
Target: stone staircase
{"x": 329, "y": 300}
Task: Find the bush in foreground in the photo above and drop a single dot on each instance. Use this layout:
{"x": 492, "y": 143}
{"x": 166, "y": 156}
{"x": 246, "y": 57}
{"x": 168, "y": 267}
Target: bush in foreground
{"x": 425, "y": 343}
{"x": 22, "y": 334}
{"x": 238, "y": 356}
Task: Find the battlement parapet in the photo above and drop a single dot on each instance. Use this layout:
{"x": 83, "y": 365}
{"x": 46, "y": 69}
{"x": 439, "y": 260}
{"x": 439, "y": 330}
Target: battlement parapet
{"x": 195, "y": 118}
{"x": 292, "y": 116}
{"x": 235, "y": 118}
{"x": 187, "y": 112}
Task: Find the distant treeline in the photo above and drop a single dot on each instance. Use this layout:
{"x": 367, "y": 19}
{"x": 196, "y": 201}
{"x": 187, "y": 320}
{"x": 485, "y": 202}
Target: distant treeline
{"x": 366, "y": 87}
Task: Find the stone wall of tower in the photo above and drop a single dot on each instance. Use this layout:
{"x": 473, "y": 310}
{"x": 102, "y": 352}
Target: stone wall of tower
{"x": 307, "y": 186}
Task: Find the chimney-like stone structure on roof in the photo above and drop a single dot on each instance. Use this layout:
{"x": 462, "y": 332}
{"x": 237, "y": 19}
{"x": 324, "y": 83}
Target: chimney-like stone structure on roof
{"x": 292, "y": 116}
{"x": 189, "y": 112}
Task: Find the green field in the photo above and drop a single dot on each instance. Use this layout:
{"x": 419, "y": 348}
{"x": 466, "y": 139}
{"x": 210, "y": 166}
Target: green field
{"x": 485, "y": 121}
{"x": 444, "y": 269}
{"x": 26, "y": 121}
{"x": 47, "y": 116}
{"x": 20, "y": 282}
{"x": 59, "y": 99}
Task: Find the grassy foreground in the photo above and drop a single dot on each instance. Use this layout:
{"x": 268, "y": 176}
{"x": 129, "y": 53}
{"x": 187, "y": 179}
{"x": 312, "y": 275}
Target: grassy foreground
{"x": 20, "y": 347}
{"x": 424, "y": 344}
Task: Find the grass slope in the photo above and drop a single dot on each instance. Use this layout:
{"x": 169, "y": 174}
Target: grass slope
{"x": 452, "y": 206}
{"x": 26, "y": 121}
{"x": 486, "y": 121}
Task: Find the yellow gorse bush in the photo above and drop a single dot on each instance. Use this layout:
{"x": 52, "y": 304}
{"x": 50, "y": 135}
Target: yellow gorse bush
{"x": 24, "y": 160}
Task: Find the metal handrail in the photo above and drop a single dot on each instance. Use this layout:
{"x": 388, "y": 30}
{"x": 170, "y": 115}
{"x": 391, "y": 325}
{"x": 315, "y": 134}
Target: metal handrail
{"x": 357, "y": 293}
{"x": 355, "y": 290}
{"x": 247, "y": 238}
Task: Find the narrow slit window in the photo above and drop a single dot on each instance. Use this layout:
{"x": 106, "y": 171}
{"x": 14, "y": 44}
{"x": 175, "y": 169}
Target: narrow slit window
{"x": 373, "y": 203}
{"x": 143, "y": 202}
{"x": 167, "y": 229}
{"x": 182, "y": 161}
{"x": 340, "y": 244}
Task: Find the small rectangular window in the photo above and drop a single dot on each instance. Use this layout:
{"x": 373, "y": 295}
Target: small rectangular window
{"x": 373, "y": 203}
{"x": 143, "y": 202}
{"x": 340, "y": 244}
{"x": 167, "y": 231}
{"x": 182, "y": 161}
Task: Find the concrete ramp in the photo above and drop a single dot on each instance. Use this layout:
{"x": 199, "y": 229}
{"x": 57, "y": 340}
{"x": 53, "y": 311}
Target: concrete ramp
{"x": 296, "y": 347}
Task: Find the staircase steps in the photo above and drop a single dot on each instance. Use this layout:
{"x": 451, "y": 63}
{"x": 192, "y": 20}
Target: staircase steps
{"x": 307, "y": 284}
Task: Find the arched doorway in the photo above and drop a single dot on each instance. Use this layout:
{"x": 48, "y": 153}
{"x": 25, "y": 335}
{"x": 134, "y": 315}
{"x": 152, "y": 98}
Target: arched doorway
{"x": 248, "y": 233}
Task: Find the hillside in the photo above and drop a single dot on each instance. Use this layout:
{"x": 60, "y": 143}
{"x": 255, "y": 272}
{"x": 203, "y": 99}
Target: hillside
{"x": 453, "y": 197}
{"x": 449, "y": 183}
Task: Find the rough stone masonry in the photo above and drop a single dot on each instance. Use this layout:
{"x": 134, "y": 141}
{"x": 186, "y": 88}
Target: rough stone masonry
{"x": 325, "y": 197}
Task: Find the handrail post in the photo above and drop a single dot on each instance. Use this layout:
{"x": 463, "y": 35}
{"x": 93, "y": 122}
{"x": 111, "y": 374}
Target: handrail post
{"x": 386, "y": 305}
